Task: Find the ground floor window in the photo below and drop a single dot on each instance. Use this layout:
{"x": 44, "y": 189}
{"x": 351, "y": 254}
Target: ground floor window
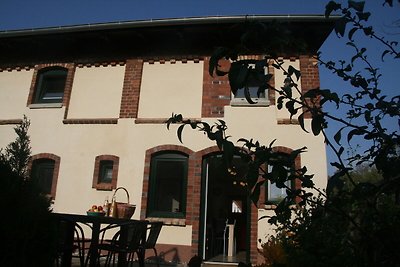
{"x": 44, "y": 172}
{"x": 167, "y": 189}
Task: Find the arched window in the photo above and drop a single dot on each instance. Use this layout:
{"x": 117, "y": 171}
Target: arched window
{"x": 44, "y": 171}
{"x": 50, "y": 85}
{"x": 167, "y": 188}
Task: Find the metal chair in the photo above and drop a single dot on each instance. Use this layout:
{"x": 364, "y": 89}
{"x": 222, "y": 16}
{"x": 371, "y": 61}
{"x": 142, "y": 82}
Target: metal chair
{"x": 71, "y": 237}
{"x": 154, "y": 229}
{"x": 128, "y": 240}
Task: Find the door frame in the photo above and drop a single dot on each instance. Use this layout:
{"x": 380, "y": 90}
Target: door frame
{"x": 203, "y": 209}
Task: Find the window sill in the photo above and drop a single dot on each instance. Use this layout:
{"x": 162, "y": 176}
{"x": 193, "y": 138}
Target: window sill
{"x": 45, "y": 105}
{"x": 242, "y": 102}
{"x": 104, "y": 187}
{"x": 168, "y": 221}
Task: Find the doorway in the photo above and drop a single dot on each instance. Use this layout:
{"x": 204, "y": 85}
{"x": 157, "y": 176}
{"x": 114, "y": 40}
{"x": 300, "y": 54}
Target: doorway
{"x": 224, "y": 231}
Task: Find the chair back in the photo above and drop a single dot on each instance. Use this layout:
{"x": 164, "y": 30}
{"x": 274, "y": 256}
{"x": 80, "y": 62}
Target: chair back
{"x": 154, "y": 232}
{"x": 136, "y": 234}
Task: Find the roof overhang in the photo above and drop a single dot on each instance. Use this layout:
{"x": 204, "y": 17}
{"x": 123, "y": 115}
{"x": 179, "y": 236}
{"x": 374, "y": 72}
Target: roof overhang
{"x": 156, "y": 38}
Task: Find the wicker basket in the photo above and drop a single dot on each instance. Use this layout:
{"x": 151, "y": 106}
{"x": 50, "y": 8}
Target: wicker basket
{"x": 123, "y": 210}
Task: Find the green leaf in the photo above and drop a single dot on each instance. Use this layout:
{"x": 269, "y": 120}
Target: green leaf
{"x": 193, "y": 124}
{"x": 301, "y": 122}
{"x": 358, "y": 6}
{"x": 384, "y": 54}
{"x": 331, "y": 6}
{"x": 316, "y": 124}
{"x": 354, "y": 132}
{"x": 340, "y": 27}
{"x": 248, "y": 96}
{"x": 292, "y": 70}
{"x": 363, "y": 15}
{"x": 338, "y": 136}
{"x": 351, "y": 33}
{"x": 255, "y": 194}
{"x": 179, "y": 132}
{"x": 368, "y": 31}
{"x": 219, "y": 53}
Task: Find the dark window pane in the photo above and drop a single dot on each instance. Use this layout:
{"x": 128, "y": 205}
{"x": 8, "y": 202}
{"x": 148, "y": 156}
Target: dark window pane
{"x": 50, "y": 86}
{"x": 106, "y": 171}
{"x": 169, "y": 185}
{"x": 42, "y": 173}
{"x": 167, "y": 190}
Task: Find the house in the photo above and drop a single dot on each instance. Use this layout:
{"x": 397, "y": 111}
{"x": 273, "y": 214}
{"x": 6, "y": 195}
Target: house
{"x": 98, "y": 97}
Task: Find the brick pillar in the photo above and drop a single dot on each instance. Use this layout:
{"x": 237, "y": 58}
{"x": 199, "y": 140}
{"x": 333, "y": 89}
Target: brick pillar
{"x": 309, "y": 75}
{"x": 216, "y": 93}
{"x": 131, "y": 88}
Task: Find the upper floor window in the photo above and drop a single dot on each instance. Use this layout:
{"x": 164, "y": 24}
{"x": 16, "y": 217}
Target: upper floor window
{"x": 50, "y": 85}
{"x": 105, "y": 172}
{"x": 167, "y": 188}
{"x": 257, "y": 94}
{"x": 44, "y": 172}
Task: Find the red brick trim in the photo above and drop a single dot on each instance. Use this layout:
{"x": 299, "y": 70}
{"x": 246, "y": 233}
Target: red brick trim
{"x": 105, "y": 186}
{"x": 309, "y": 75}
{"x": 159, "y": 120}
{"x": 56, "y": 171}
{"x": 131, "y": 88}
{"x": 271, "y": 93}
{"x": 146, "y": 175}
{"x": 216, "y": 93}
{"x": 68, "y": 84}
{"x": 17, "y": 68}
{"x": 12, "y": 121}
{"x": 91, "y": 121}
{"x": 287, "y": 121}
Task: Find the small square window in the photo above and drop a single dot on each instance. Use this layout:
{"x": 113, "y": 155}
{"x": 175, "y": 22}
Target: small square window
{"x": 260, "y": 98}
{"x": 50, "y": 86}
{"x": 106, "y": 171}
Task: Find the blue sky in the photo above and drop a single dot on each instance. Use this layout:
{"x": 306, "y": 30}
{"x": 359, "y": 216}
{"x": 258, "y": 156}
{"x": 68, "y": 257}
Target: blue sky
{"x": 28, "y": 14}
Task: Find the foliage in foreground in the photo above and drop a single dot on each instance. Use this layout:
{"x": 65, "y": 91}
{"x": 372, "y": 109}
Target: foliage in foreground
{"x": 353, "y": 222}
{"x": 26, "y": 228}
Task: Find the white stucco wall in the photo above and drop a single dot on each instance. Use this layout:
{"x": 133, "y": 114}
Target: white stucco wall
{"x": 171, "y": 88}
{"x": 96, "y": 92}
{"x": 14, "y": 91}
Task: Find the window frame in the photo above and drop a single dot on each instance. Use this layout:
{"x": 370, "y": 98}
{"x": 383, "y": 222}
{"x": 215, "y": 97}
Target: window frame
{"x": 56, "y": 161}
{"x": 97, "y": 183}
{"x": 41, "y": 90}
{"x": 260, "y": 101}
{"x": 164, "y": 156}
{"x": 290, "y": 184}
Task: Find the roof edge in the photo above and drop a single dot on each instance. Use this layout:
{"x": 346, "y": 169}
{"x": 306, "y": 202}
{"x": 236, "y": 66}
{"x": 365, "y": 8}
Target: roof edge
{"x": 164, "y": 22}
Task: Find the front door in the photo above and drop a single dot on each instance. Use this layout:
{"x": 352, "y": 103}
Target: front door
{"x": 224, "y": 206}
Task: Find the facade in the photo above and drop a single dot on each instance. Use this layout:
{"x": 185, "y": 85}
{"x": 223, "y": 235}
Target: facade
{"x": 98, "y": 97}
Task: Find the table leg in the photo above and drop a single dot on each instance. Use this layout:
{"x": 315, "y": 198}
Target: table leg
{"x": 93, "y": 251}
{"x": 66, "y": 258}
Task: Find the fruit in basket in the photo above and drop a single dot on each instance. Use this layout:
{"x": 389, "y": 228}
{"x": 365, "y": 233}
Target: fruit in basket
{"x": 100, "y": 209}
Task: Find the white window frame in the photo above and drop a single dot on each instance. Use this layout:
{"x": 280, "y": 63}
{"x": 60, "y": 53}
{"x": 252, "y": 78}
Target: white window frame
{"x": 260, "y": 101}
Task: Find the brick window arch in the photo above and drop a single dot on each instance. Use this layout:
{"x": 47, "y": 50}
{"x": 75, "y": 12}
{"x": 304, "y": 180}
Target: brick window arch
{"x": 156, "y": 159}
{"x": 44, "y": 169}
{"x": 51, "y": 84}
{"x": 105, "y": 173}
